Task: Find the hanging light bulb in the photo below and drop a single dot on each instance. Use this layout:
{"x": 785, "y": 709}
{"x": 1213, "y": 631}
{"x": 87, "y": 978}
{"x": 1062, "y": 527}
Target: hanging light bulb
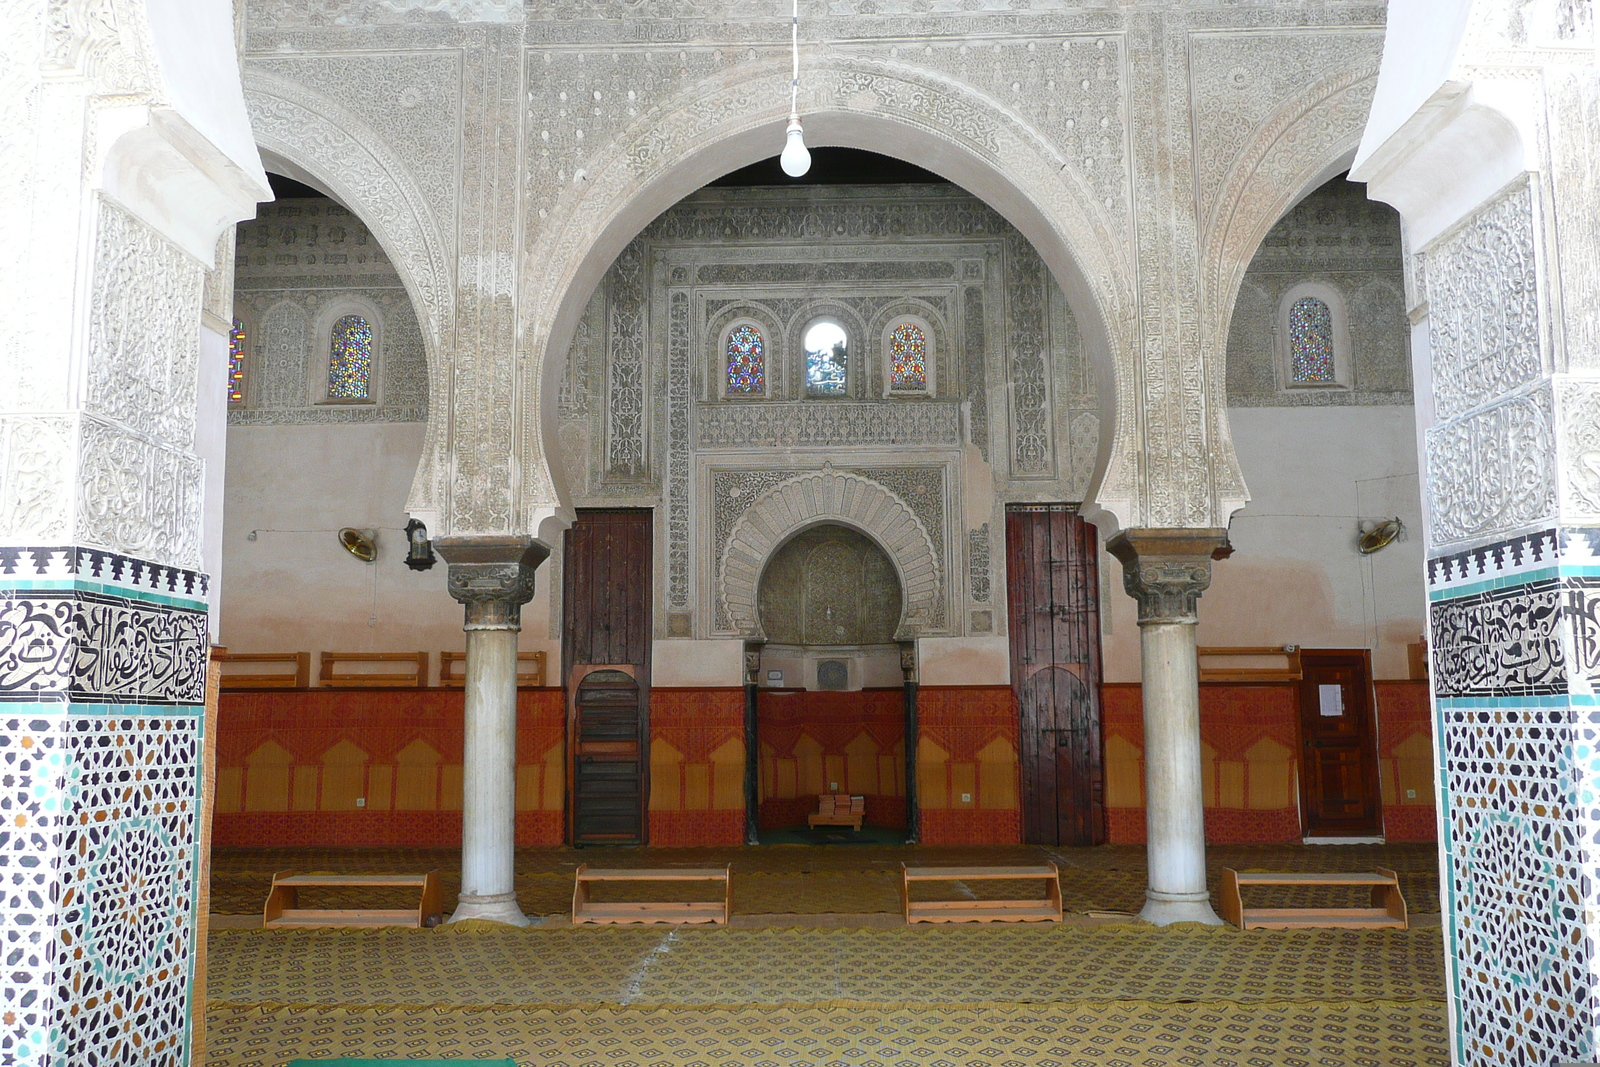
{"x": 795, "y": 160}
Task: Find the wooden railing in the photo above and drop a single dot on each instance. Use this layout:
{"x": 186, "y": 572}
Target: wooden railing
{"x": 298, "y": 676}
{"x": 530, "y": 669}
{"x": 1245, "y": 664}
{"x": 329, "y": 672}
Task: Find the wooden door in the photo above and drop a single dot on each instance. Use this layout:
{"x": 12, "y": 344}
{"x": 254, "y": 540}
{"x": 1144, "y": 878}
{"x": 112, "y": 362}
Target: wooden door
{"x": 606, "y": 756}
{"x": 606, "y": 577}
{"x": 1339, "y": 785}
{"x": 1052, "y": 580}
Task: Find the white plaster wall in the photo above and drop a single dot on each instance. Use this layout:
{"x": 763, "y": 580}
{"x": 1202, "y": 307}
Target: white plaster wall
{"x": 294, "y": 588}
{"x": 1295, "y": 576}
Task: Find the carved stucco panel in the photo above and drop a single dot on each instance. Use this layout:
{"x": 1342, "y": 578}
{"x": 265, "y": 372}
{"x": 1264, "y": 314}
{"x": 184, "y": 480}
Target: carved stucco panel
{"x": 1578, "y": 412}
{"x": 36, "y": 472}
{"x": 144, "y": 329}
{"x": 137, "y": 497}
{"x": 1493, "y": 472}
{"x": 1483, "y": 305}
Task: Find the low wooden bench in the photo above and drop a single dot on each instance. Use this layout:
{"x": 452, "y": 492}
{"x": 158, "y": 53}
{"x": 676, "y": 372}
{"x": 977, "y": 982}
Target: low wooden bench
{"x": 585, "y": 910}
{"x": 1388, "y": 910}
{"x": 982, "y": 911}
{"x": 283, "y": 911}
{"x": 530, "y": 669}
{"x": 839, "y": 809}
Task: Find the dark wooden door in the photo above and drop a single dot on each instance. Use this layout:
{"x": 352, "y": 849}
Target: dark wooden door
{"x": 1339, "y": 785}
{"x": 1052, "y": 579}
{"x": 606, "y": 576}
{"x": 607, "y": 759}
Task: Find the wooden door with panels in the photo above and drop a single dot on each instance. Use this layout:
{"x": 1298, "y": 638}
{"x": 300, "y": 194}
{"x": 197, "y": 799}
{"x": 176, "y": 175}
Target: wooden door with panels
{"x": 1053, "y": 600}
{"x": 605, "y": 652}
{"x": 1339, "y": 794}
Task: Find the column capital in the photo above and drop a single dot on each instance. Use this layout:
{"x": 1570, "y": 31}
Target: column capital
{"x": 1166, "y": 570}
{"x": 492, "y": 576}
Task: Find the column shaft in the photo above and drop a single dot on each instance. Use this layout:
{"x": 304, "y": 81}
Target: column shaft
{"x": 493, "y": 578}
{"x": 1165, "y": 571}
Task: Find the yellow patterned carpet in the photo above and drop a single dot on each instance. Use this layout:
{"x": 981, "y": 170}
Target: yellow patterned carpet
{"x": 1069, "y": 995}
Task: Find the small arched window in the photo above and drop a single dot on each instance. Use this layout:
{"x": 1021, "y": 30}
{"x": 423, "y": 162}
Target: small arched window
{"x": 1311, "y": 342}
{"x": 827, "y": 349}
{"x": 908, "y": 357}
{"x": 236, "y": 364}
{"x": 350, "y": 359}
{"x": 746, "y": 354}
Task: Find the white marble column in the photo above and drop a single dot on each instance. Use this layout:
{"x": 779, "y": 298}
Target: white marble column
{"x": 1165, "y": 571}
{"x": 493, "y": 578}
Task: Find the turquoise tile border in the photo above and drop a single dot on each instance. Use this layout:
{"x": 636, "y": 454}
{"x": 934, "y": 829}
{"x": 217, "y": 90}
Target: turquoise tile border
{"x": 1506, "y": 581}
{"x": 74, "y": 585}
{"x": 1556, "y": 700}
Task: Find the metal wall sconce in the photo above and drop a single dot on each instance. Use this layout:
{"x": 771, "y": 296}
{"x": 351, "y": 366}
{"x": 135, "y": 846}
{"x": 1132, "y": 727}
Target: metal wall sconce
{"x": 419, "y": 549}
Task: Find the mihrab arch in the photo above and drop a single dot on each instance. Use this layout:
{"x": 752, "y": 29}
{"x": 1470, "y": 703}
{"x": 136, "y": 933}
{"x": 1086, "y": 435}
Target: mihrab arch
{"x": 817, "y": 497}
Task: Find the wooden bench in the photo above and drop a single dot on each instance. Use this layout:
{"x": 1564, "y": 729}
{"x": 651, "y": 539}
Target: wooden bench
{"x": 330, "y": 674}
{"x": 585, "y": 910}
{"x": 530, "y": 669}
{"x": 283, "y": 911}
{"x": 1388, "y": 910}
{"x": 298, "y": 676}
{"x": 839, "y": 809}
{"x": 982, "y": 911}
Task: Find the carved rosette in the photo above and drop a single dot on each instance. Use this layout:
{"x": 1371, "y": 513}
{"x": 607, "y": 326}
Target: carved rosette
{"x": 492, "y": 577}
{"x": 1167, "y": 570}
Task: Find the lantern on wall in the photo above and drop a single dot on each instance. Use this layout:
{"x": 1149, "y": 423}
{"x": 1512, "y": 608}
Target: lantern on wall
{"x": 419, "y": 550}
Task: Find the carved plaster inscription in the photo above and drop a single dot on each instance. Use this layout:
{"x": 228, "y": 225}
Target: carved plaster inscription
{"x": 137, "y": 497}
{"x": 625, "y": 371}
{"x": 1483, "y": 306}
{"x": 1493, "y": 471}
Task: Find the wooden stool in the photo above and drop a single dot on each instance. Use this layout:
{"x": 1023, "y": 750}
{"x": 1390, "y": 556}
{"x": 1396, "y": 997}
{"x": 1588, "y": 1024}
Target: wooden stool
{"x": 283, "y": 911}
{"x": 586, "y": 911}
{"x": 839, "y": 809}
{"x": 981, "y": 911}
{"x": 1388, "y": 911}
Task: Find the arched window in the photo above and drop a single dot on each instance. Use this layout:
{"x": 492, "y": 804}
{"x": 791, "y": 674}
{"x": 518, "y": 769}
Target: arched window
{"x": 236, "y": 364}
{"x": 827, "y": 349}
{"x": 747, "y": 361}
{"x": 1311, "y": 342}
{"x": 908, "y": 357}
{"x": 350, "y": 359}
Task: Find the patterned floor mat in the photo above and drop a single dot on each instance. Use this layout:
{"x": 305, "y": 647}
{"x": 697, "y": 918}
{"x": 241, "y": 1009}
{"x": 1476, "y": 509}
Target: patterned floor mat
{"x": 503, "y": 967}
{"x": 1378, "y": 1034}
{"x": 799, "y": 879}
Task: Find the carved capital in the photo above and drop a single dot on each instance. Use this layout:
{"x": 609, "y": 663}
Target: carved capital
{"x": 492, "y": 577}
{"x": 752, "y": 662}
{"x": 1167, "y": 570}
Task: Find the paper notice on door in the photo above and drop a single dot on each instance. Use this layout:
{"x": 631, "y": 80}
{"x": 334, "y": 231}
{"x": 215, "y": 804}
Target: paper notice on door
{"x": 1332, "y": 698}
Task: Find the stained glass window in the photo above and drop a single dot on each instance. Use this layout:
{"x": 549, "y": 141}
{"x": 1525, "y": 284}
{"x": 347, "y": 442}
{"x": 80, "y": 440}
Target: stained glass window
{"x": 747, "y": 361}
{"x": 827, "y": 357}
{"x": 350, "y": 359}
{"x": 236, "y": 363}
{"x": 908, "y": 356}
{"x": 1311, "y": 341}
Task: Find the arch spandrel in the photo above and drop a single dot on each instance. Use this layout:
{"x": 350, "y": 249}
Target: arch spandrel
{"x": 846, "y": 499}
{"x": 737, "y": 118}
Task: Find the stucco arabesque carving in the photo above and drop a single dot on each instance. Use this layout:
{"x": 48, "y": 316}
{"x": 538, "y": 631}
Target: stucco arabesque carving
{"x": 829, "y": 495}
{"x": 354, "y": 162}
{"x": 736, "y": 101}
{"x": 1287, "y": 153}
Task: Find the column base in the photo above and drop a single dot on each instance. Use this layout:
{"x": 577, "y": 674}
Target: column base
{"x": 500, "y": 908}
{"x": 1165, "y": 910}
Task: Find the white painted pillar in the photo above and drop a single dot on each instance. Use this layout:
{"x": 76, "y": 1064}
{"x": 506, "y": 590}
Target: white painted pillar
{"x": 493, "y": 578}
{"x": 1165, "y": 571}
